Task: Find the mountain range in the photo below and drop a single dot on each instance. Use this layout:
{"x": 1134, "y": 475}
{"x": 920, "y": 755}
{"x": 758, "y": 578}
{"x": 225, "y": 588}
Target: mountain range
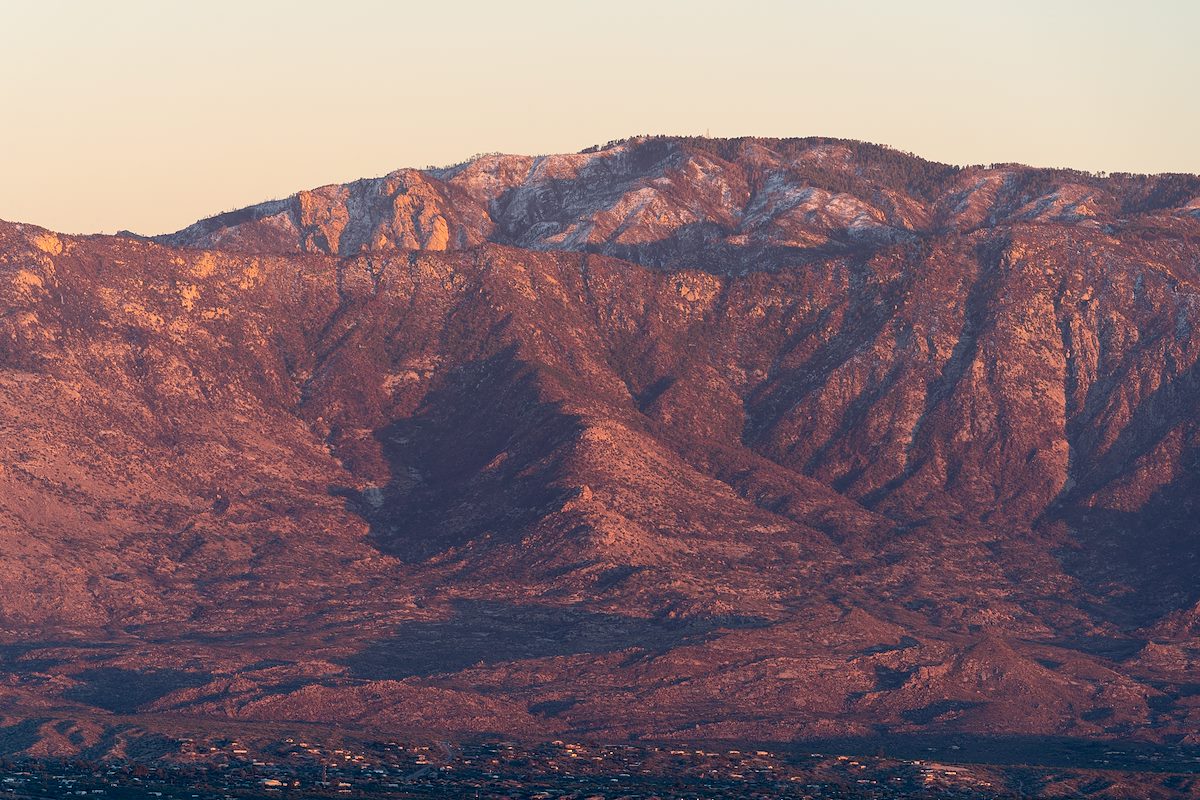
{"x": 673, "y": 438}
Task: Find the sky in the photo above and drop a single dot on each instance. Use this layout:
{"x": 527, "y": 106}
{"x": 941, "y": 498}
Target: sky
{"x": 147, "y": 115}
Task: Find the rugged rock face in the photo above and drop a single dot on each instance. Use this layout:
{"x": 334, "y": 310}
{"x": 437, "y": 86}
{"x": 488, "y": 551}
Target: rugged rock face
{"x": 717, "y": 204}
{"x": 673, "y": 438}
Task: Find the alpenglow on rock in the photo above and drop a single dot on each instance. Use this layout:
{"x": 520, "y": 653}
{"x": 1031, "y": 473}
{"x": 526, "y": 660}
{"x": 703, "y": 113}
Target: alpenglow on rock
{"x": 721, "y": 439}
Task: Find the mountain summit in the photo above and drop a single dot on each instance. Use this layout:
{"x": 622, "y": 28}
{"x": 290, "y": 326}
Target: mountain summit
{"x": 669, "y": 201}
{"x": 675, "y": 437}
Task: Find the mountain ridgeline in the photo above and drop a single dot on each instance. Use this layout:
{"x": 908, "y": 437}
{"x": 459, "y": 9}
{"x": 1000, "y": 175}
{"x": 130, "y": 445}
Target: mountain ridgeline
{"x": 760, "y": 439}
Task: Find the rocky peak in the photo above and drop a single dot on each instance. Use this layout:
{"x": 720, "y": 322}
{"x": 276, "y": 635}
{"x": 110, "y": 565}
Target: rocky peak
{"x": 662, "y": 201}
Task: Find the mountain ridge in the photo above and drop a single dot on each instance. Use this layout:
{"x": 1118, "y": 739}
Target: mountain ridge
{"x": 666, "y": 484}
{"x": 634, "y": 198}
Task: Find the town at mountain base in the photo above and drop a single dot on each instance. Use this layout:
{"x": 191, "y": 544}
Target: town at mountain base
{"x": 673, "y": 439}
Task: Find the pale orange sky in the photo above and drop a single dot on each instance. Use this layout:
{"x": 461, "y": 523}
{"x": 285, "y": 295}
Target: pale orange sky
{"x": 148, "y": 115}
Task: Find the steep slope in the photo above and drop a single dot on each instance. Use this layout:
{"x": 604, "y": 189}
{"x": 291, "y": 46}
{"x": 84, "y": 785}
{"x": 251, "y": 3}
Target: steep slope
{"x": 935, "y": 479}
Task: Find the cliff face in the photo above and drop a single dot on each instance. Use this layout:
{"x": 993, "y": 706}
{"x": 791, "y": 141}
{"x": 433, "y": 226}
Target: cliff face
{"x": 677, "y": 437}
